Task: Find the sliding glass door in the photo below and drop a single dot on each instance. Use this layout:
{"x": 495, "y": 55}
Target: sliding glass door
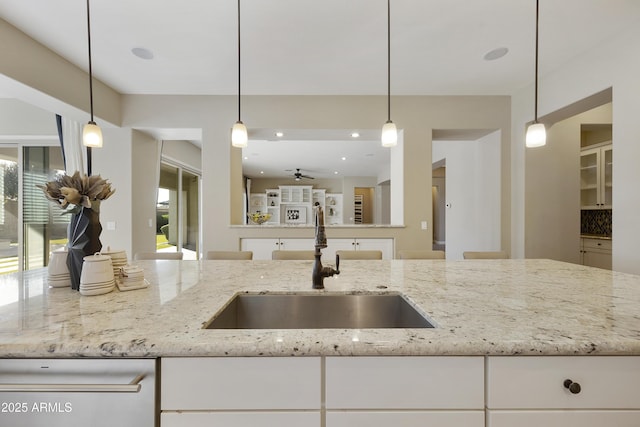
{"x": 30, "y": 227}
{"x": 9, "y": 174}
{"x": 178, "y": 211}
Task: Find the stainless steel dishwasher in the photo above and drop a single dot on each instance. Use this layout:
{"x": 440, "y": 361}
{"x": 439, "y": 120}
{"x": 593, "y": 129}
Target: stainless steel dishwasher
{"x": 77, "y": 392}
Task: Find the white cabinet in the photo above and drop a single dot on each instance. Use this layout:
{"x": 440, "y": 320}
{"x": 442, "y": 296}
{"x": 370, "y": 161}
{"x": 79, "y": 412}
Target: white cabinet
{"x": 240, "y": 391}
{"x": 528, "y": 391}
{"x": 595, "y": 252}
{"x": 240, "y": 419}
{"x": 318, "y": 198}
{"x": 405, "y": 418}
{"x": 273, "y": 205}
{"x": 404, "y": 391}
{"x": 293, "y": 204}
{"x": 265, "y": 203}
{"x": 333, "y": 209}
{"x": 596, "y": 172}
{"x": 263, "y": 248}
{"x": 364, "y": 244}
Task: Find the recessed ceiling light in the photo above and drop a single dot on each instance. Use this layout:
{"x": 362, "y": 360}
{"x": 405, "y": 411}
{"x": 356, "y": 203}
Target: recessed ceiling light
{"x": 496, "y": 54}
{"x": 335, "y": 172}
{"x": 344, "y": 158}
{"x": 355, "y": 135}
{"x": 279, "y": 134}
{"x": 246, "y": 157}
{"x": 261, "y": 172}
{"x": 142, "y": 53}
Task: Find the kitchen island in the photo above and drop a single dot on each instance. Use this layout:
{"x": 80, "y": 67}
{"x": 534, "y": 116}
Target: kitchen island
{"x": 516, "y": 342}
{"x": 484, "y": 307}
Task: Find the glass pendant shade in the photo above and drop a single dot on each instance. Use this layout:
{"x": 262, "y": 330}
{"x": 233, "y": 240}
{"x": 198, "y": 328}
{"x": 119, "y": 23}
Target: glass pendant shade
{"x": 92, "y": 135}
{"x": 239, "y": 137}
{"x": 536, "y": 135}
{"x": 389, "y": 134}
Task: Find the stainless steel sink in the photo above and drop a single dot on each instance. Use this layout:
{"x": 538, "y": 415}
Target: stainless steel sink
{"x": 317, "y": 311}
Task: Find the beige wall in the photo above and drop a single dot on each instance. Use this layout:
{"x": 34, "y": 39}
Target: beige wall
{"x": 552, "y": 216}
{"x": 58, "y": 84}
{"x": 222, "y": 170}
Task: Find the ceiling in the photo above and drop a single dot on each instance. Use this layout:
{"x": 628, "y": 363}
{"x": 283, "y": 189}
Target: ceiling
{"x": 320, "y": 47}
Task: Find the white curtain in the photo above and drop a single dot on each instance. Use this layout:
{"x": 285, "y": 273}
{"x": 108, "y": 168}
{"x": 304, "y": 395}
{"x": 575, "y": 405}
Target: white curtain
{"x": 75, "y": 153}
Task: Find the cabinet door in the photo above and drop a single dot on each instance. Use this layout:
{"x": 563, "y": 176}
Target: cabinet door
{"x": 384, "y": 245}
{"x": 240, "y": 383}
{"x": 606, "y": 177}
{"x": 405, "y": 419}
{"x": 334, "y": 245}
{"x": 240, "y": 419}
{"x": 297, "y": 244}
{"x": 598, "y": 259}
{"x": 563, "y": 418}
{"x": 589, "y": 178}
{"x": 410, "y": 382}
{"x": 596, "y": 253}
{"x": 261, "y": 248}
{"x": 606, "y": 382}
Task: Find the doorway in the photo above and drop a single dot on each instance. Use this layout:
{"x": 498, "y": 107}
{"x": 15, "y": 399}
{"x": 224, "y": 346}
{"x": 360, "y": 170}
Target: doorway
{"x": 30, "y": 226}
{"x": 472, "y": 205}
{"x": 363, "y": 205}
{"x": 178, "y": 211}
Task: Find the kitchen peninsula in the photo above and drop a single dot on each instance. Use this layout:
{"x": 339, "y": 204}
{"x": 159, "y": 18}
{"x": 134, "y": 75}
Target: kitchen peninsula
{"x": 501, "y": 307}
{"x": 483, "y": 310}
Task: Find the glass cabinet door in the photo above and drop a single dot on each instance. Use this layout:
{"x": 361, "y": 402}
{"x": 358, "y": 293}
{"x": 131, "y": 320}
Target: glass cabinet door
{"x": 589, "y": 179}
{"x": 607, "y": 177}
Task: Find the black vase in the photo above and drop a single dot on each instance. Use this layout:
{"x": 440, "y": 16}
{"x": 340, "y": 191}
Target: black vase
{"x": 84, "y": 239}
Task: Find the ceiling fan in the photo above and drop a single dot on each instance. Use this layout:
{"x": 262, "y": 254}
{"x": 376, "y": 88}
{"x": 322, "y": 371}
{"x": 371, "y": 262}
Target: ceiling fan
{"x": 299, "y": 175}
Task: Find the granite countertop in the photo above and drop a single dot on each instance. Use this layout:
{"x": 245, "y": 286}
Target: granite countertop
{"x": 480, "y": 307}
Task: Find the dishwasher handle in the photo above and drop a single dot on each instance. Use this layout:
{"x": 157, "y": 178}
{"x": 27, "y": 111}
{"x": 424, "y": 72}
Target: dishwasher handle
{"x": 133, "y": 387}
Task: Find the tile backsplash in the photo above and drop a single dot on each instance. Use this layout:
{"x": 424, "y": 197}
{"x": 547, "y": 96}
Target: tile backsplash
{"x": 596, "y": 221}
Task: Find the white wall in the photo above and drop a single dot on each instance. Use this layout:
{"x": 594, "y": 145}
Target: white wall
{"x": 615, "y": 65}
{"x": 183, "y": 153}
{"x": 473, "y": 194}
{"x": 114, "y": 162}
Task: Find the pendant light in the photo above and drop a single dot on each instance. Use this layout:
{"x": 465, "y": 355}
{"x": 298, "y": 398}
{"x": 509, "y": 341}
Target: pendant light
{"x": 239, "y": 137}
{"x": 389, "y": 131}
{"x": 91, "y": 134}
{"x": 536, "y": 132}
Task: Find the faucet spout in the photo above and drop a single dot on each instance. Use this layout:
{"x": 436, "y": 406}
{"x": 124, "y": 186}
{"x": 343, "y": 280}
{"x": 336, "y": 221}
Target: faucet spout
{"x": 321, "y": 237}
{"x": 319, "y": 272}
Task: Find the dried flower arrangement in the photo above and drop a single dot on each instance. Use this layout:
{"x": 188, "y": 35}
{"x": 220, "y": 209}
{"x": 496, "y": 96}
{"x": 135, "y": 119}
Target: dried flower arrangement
{"x": 72, "y": 193}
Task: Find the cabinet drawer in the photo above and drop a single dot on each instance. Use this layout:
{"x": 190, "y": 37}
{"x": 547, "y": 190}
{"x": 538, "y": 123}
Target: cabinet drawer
{"x": 601, "y": 244}
{"x": 606, "y": 382}
{"x": 239, "y": 419}
{"x": 405, "y": 382}
{"x": 405, "y": 419}
{"x": 240, "y": 383}
{"x": 563, "y": 418}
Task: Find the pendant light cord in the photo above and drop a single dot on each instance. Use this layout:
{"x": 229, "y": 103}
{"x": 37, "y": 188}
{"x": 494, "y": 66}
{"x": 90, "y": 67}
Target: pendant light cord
{"x": 535, "y": 103}
{"x": 89, "y": 151}
{"x": 389, "y": 60}
{"x": 239, "y": 61}
{"x": 90, "y": 70}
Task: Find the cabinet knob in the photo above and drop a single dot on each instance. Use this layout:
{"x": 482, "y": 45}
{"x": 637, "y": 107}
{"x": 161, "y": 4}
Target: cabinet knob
{"x": 573, "y": 387}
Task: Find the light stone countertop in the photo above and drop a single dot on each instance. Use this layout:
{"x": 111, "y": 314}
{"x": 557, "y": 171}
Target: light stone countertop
{"x": 480, "y": 307}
